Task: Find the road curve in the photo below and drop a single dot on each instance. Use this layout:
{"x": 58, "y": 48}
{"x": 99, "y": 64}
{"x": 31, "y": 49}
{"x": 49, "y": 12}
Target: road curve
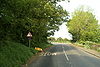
{"x": 64, "y": 55}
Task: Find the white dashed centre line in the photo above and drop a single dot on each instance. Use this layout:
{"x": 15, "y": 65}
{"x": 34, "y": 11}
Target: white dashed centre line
{"x": 65, "y": 53}
{"x": 66, "y": 56}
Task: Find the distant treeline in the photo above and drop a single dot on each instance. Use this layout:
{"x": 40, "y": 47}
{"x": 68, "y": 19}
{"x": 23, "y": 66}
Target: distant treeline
{"x": 52, "y": 39}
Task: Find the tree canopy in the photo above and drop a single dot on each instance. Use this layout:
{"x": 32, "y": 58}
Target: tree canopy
{"x": 84, "y": 26}
{"x": 40, "y": 17}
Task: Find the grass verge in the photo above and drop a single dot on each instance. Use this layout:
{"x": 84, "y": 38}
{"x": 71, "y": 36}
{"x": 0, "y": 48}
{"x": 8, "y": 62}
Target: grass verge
{"x": 89, "y": 45}
{"x": 16, "y": 54}
{"x": 13, "y": 54}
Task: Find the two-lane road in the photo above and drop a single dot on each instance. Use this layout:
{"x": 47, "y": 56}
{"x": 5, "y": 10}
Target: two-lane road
{"x": 64, "y": 55}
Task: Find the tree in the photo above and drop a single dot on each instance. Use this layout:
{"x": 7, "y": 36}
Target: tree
{"x": 51, "y": 39}
{"x": 40, "y": 17}
{"x": 65, "y": 39}
{"x": 83, "y": 25}
{"x": 59, "y": 39}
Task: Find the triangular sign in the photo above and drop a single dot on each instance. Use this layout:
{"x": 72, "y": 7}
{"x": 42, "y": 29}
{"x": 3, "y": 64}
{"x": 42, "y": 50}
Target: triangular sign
{"x": 29, "y": 34}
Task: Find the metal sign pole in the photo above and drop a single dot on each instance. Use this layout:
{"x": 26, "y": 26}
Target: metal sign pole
{"x": 29, "y": 35}
{"x": 29, "y": 43}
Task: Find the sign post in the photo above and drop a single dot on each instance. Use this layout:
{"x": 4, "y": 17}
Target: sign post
{"x": 29, "y": 35}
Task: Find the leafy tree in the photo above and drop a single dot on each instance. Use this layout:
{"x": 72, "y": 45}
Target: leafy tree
{"x": 40, "y": 17}
{"x": 59, "y": 39}
{"x": 65, "y": 39}
{"x": 51, "y": 39}
{"x": 83, "y": 25}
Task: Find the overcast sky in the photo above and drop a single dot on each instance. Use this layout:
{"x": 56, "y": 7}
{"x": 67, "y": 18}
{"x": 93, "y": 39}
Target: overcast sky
{"x": 71, "y": 6}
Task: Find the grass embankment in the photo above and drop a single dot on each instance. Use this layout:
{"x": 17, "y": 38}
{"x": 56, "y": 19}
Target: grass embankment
{"x": 88, "y": 45}
{"x": 15, "y": 54}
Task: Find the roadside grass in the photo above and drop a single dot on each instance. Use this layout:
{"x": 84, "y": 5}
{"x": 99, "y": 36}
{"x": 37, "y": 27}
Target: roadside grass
{"x": 88, "y": 45}
{"x": 16, "y": 54}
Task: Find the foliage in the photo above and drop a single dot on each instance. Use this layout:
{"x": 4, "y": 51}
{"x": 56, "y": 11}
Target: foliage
{"x": 17, "y": 18}
{"x": 55, "y": 1}
{"x": 84, "y": 26}
{"x": 88, "y": 45}
{"x": 61, "y": 40}
{"x": 40, "y": 17}
{"x": 14, "y": 54}
{"x": 51, "y": 39}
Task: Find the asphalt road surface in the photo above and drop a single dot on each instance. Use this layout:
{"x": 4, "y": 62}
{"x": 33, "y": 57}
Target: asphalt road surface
{"x": 64, "y": 55}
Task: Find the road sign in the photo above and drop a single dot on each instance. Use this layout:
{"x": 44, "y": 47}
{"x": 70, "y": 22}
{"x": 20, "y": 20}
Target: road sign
{"x": 29, "y": 35}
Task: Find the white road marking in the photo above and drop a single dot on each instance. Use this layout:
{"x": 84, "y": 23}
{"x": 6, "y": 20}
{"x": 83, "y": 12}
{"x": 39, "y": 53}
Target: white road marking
{"x": 67, "y": 56}
{"x": 54, "y": 53}
{"x": 65, "y": 53}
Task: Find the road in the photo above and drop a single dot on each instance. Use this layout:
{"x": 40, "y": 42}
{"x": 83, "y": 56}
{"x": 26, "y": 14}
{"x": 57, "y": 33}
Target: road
{"x": 64, "y": 55}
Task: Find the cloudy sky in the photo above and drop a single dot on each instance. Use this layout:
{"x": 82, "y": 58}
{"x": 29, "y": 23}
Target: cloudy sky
{"x": 71, "y": 6}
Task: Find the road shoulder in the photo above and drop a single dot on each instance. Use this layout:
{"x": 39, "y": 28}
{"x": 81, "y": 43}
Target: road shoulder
{"x": 92, "y": 52}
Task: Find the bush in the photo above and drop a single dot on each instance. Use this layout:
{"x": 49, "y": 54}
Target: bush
{"x": 33, "y": 51}
{"x": 98, "y": 49}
